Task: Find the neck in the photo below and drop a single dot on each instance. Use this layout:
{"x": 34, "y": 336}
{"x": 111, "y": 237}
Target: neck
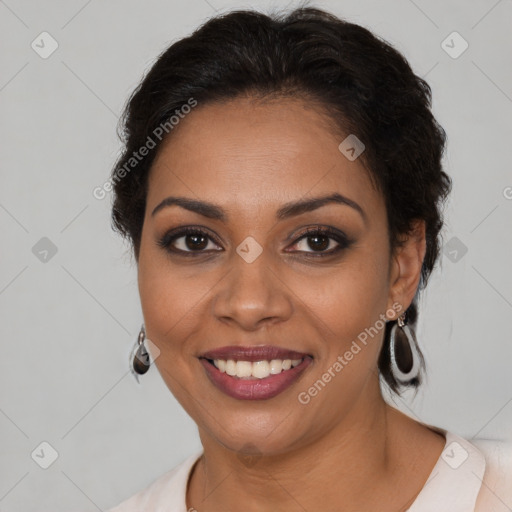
{"x": 335, "y": 468}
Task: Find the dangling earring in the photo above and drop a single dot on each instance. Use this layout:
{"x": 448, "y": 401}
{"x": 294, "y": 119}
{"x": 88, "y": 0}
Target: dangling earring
{"x": 404, "y": 352}
{"x": 140, "y": 359}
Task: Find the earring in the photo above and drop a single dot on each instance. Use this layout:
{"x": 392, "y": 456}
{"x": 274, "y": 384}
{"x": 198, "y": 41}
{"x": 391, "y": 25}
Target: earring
{"x": 404, "y": 352}
{"x": 140, "y": 359}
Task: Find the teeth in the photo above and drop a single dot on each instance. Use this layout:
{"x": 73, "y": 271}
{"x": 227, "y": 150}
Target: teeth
{"x": 260, "y": 369}
{"x": 276, "y": 366}
{"x": 230, "y": 367}
{"x": 257, "y": 369}
{"x": 243, "y": 369}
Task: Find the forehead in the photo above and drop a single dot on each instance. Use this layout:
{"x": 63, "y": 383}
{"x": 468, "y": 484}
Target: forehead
{"x": 245, "y": 154}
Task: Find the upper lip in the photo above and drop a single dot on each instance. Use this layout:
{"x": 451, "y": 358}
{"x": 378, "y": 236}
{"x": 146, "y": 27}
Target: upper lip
{"x": 252, "y": 353}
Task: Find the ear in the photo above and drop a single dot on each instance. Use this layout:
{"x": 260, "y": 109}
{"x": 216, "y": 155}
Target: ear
{"x": 406, "y": 263}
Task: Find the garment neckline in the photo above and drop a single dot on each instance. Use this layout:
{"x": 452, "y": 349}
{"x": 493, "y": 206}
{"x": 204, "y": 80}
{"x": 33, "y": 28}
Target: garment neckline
{"x": 455, "y": 479}
{"x": 454, "y": 482}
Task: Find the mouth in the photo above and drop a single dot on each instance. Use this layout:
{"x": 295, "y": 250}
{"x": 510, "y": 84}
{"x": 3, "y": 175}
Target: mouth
{"x": 254, "y": 373}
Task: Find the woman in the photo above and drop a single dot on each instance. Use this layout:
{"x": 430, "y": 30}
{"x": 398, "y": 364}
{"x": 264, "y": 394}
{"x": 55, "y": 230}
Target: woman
{"x": 281, "y": 185}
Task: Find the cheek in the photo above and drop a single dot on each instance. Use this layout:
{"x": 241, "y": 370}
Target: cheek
{"x": 174, "y": 304}
{"x": 351, "y": 298}
{"x": 170, "y": 303}
{"x": 348, "y": 313}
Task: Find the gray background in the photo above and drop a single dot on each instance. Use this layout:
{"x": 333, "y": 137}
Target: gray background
{"x": 69, "y": 323}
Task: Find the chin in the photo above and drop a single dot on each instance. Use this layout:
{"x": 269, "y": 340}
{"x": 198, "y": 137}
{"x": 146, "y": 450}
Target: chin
{"x": 258, "y": 433}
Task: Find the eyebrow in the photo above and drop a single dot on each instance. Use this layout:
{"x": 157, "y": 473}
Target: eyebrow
{"x": 212, "y": 211}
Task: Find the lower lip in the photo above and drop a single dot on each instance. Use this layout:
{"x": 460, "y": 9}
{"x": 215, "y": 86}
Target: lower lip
{"x": 254, "y": 389}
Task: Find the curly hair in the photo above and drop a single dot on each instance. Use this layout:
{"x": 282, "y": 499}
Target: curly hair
{"x": 364, "y": 85}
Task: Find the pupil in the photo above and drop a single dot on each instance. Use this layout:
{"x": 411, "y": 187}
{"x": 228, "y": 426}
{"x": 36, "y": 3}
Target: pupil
{"x": 319, "y": 246}
{"x": 198, "y": 241}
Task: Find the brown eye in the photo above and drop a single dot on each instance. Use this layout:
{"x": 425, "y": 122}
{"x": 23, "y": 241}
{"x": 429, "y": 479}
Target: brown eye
{"x": 323, "y": 241}
{"x": 188, "y": 240}
{"x": 317, "y": 242}
{"x": 194, "y": 242}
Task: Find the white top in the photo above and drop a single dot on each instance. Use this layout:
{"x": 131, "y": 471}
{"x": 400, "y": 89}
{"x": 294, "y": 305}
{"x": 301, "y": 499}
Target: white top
{"x": 453, "y": 485}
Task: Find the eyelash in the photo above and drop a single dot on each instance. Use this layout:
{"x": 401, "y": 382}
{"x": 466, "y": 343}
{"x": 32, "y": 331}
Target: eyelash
{"x": 343, "y": 241}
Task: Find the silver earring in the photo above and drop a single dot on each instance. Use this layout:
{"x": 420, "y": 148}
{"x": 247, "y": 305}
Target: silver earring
{"x": 404, "y": 352}
{"x": 140, "y": 361}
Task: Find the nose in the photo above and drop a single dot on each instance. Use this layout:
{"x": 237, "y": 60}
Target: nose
{"x": 252, "y": 295}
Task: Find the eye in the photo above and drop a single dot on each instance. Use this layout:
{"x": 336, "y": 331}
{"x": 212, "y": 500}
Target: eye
{"x": 188, "y": 240}
{"x": 323, "y": 241}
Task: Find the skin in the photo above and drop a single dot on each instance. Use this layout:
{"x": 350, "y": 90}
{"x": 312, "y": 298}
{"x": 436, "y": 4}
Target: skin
{"x": 250, "y": 158}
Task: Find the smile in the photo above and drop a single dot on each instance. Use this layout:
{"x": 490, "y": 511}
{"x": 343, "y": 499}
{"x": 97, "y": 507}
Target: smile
{"x": 256, "y": 370}
{"x": 245, "y": 373}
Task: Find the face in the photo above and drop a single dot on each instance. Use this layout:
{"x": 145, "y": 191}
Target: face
{"x": 263, "y": 265}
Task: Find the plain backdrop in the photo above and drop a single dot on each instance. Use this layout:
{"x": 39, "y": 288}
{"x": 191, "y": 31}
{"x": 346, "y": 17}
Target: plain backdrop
{"x": 70, "y": 311}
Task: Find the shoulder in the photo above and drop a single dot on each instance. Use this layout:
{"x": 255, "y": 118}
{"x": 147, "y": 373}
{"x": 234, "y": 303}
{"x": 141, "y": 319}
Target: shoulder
{"x": 167, "y": 490}
{"x": 470, "y": 475}
{"x": 496, "y": 491}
